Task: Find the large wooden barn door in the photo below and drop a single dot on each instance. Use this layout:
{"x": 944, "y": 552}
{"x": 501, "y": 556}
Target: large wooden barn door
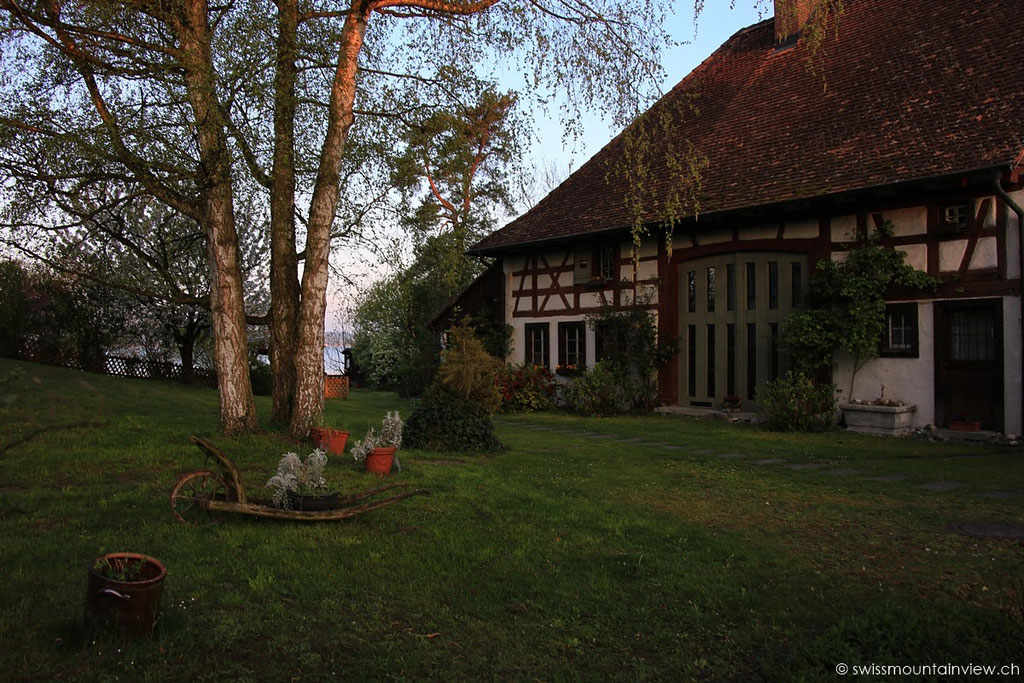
{"x": 969, "y": 362}
{"x": 731, "y": 311}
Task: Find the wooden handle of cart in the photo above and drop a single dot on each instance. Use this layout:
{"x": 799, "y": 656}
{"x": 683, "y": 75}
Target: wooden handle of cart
{"x": 232, "y": 477}
{"x": 309, "y": 515}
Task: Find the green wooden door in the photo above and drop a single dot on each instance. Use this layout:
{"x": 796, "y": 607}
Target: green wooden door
{"x": 732, "y": 307}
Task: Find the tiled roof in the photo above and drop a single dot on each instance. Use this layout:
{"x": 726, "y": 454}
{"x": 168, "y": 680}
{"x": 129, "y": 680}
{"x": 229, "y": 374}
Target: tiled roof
{"x": 909, "y": 89}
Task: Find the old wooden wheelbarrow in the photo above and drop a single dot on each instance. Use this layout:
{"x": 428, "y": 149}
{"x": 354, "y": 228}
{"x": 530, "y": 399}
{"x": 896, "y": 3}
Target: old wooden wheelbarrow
{"x": 199, "y": 496}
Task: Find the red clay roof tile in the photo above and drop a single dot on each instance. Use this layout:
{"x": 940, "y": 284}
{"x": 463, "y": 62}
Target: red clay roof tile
{"x": 908, "y": 89}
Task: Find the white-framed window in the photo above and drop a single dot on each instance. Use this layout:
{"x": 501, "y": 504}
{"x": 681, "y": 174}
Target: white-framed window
{"x": 900, "y": 335}
{"x": 537, "y": 344}
{"x": 572, "y": 345}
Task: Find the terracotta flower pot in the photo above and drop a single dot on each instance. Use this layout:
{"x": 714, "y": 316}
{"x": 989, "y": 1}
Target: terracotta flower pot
{"x": 379, "y": 461}
{"x": 131, "y": 605}
{"x": 333, "y": 441}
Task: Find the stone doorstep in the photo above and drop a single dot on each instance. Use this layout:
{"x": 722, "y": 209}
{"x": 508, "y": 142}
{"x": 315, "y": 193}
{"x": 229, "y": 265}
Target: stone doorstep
{"x": 957, "y": 435}
{"x": 707, "y": 413}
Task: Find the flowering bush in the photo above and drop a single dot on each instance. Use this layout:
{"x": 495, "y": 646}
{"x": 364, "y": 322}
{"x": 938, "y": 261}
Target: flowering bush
{"x": 525, "y": 388}
{"x": 302, "y": 478}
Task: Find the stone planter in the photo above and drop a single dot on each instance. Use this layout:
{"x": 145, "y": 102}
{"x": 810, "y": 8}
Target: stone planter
{"x": 885, "y": 420}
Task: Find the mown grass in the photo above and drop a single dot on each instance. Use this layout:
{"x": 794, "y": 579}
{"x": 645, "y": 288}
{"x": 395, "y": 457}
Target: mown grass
{"x": 563, "y": 557}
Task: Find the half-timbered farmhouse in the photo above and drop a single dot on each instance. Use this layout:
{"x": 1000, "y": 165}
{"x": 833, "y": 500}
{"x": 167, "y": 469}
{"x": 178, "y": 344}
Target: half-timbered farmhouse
{"x": 912, "y": 113}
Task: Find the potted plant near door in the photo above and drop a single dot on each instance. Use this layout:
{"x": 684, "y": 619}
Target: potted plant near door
{"x": 377, "y": 449}
{"x": 124, "y": 591}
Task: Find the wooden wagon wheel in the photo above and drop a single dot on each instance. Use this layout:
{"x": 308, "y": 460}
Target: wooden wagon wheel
{"x": 190, "y": 494}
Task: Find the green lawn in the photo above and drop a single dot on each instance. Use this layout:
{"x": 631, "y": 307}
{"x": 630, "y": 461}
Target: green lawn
{"x": 563, "y": 557}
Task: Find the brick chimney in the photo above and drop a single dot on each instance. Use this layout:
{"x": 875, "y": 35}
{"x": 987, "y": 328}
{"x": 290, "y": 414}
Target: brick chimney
{"x": 790, "y": 18}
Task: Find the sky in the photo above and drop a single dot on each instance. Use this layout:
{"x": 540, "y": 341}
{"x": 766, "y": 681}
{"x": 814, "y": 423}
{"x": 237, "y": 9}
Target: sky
{"x": 719, "y": 20}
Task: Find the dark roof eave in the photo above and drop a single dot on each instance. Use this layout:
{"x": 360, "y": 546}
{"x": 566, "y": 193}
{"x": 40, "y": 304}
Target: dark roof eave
{"x": 779, "y": 207}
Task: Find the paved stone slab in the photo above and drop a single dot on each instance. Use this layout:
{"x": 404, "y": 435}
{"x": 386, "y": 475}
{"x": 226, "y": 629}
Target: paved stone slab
{"x": 1001, "y": 530}
{"x": 600, "y": 436}
{"x": 888, "y": 478}
{"x": 703, "y": 451}
{"x": 732, "y": 456}
{"x": 675, "y": 448}
{"x": 999, "y": 495}
{"x": 845, "y": 471}
{"x": 806, "y": 466}
{"x": 769, "y": 461}
{"x": 941, "y": 486}
{"x": 656, "y": 444}
{"x": 634, "y": 439}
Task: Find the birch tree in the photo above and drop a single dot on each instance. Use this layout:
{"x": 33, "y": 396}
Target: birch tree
{"x": 180, "y": 100}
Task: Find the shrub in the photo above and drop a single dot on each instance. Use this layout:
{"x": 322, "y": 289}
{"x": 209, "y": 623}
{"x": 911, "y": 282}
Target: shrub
{"x": 602, "y": 391}
{"x": 455, "y": 413}
{"x": 444, "y": 421}
{"x": 796, "y": 403}
{"x": 525, "y": 388}
{"x": 468, "y": 371}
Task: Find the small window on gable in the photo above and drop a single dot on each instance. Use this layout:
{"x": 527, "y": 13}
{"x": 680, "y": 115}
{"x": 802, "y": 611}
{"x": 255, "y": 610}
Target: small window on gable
{"x": 899, "y": 338}
{"x": 606, "y": 263}
{"x": 955, "y": 217}
{"x": 537, "y": 344}
{"x": 581, "y": 271}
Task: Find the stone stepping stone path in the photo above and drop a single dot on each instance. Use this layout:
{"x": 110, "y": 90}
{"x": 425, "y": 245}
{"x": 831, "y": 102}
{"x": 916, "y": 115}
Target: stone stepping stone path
{"x": 941, "y": 486}
{"x": 889, "y": 478}
{"x": 1000, "y": 495}
{"x": 993, "y": 529}
{"x": 998, "y": 530}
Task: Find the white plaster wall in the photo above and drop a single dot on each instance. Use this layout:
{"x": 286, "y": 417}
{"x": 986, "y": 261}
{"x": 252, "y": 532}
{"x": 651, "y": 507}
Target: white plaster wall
{"x": 915, "y": 255}
{"x": 801, "y": 230}
{"x": 1013, "y": 370}
{"x": 912, "y": 221}
{"x": 714, "y": 237}
{"x": 646, "y": 270}
{"x": 985, "y": 255}
{"x": 1013, "y": 237}
{"x": 649, "y": 247}
{"x": 989, "y": 220}
{"x": 951, "y": 254}
{"x": 840, "y": 256}
{"x": 760, "y": 232}
{"x": 911, "y": 380}
{"x": 844, "y": 228}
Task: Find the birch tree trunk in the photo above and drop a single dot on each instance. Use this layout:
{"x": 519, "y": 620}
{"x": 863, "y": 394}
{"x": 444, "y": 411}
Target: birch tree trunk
{"x": 284, "y": 274}
{"x": 309, "y": 352}
{"x": 230, "y": 348}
